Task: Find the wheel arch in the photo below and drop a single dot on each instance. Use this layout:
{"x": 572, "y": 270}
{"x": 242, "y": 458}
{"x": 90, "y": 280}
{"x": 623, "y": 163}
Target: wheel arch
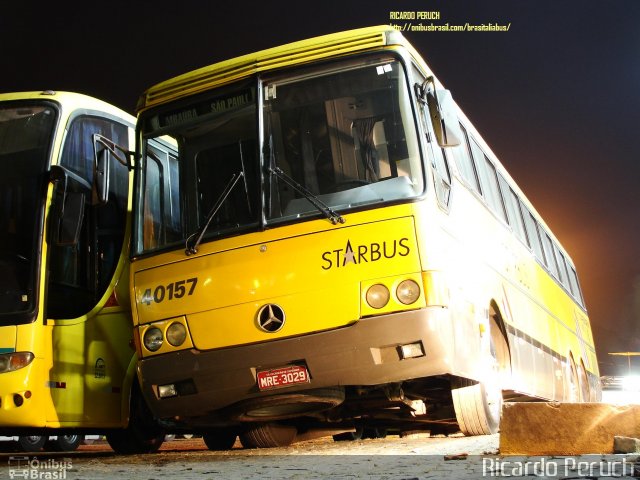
{"x": 495, "y": 315}
{"x": 127, "y": 388}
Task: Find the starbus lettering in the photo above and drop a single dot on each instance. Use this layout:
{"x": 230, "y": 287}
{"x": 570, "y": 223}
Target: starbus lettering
{"x": 371, "y": 252}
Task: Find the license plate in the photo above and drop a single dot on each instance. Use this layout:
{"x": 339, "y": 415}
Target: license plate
{"x": 282, "y": 377}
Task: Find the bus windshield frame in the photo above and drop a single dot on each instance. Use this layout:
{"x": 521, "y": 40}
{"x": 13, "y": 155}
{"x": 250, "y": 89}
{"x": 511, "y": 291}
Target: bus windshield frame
{"x": 306, "y": 143}
{"x": 26, "y": 133}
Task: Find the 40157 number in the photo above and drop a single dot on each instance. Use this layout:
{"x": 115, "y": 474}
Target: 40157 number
{"x": 170, "y": 291}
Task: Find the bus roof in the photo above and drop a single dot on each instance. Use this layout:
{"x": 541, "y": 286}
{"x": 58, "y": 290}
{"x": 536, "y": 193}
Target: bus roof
{"x": 71, "y": 100}
{"x": 296, "y": 53}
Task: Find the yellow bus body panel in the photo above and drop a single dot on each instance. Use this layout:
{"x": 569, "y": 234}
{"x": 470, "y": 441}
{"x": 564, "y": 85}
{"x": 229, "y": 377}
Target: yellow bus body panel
{"x": 8, "y": 339}
{"x": 314, "y": 273}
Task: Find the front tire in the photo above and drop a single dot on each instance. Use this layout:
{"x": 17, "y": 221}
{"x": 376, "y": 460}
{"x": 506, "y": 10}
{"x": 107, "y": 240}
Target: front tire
{"x": 32, "y": 443}
{"x": 220, "y": 439}
{"x": 477, "y": 407}
{"x": 142, "y": 435}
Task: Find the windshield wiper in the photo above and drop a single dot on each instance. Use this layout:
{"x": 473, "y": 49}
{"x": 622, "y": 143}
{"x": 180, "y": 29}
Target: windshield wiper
{"x": 214, "y": 210}
{"x": 326, "y": 210}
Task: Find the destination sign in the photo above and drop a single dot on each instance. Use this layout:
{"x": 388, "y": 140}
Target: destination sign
{"x": 218, "y": 105}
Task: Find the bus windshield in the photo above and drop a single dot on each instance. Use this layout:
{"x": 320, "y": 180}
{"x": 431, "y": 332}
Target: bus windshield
{"x": 334, "y": 138}
{"x": 25, "y": 134}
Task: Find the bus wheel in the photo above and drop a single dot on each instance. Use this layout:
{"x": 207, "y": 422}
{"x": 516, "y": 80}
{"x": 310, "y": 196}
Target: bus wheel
{"x": 32, "y": 443}
{"x": 142, "y": 435}
{"x": 268, "y": 435}
{"x": 136, "y": 438}
{"x": 478, "y": 405}
{"x": 220, "y": 439}
{"x": 66, "y": 443}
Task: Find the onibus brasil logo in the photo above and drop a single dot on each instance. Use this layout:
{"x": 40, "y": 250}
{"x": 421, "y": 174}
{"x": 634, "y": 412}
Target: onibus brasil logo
{"x": 39, "y": 469}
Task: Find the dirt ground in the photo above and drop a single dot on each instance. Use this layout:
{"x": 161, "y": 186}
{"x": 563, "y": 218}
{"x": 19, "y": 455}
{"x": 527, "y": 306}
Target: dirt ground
{"x": 418, "y": 457}
{"x": 412, "y": 457}
{"x": 419, "y": 444}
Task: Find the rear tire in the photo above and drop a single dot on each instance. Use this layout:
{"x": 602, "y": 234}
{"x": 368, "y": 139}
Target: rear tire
{"x": 268, "y": 435}
{"x": 66, "y": 443}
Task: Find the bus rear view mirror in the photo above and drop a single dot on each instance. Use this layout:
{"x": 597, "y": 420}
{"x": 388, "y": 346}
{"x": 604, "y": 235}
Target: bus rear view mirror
{"x": 101, "y": 177}
{"x": 103, "y": 151}
{"x": 444, "y": 119}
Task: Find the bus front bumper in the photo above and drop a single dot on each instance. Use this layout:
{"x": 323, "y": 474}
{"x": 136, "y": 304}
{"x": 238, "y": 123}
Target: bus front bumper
{"x": 22, "y": 397}
{"x": 367, "y": 353}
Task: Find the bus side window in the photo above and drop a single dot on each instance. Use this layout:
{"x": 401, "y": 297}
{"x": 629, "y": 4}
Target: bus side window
{"x": 488, "y": 179}
{"x": 548, "y": 253}
{"x": 442, "y": 176}
{"x": 465, "y": 163}
{"x": 513, "y": 210}
{"x": 532, "y": 232}
{"x": 80, "y": 274}
{"x": 575, "y": 286}
{"x": 492, "y": 189}
{"x": 562, "y": 266}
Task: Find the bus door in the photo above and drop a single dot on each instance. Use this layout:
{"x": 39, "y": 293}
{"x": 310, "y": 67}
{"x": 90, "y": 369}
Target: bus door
{"x": 89, "y": 319}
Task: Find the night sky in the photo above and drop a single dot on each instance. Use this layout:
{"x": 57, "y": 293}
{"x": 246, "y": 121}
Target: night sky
{"x": 556, "y": 97}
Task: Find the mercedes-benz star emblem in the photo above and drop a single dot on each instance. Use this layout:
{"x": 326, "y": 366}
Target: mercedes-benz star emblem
{"x": 271, "y": 317}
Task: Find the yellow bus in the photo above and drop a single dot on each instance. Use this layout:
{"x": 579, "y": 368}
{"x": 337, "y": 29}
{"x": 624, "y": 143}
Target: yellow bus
{"x": 67, "y": 356}
{"x": 333, "y": 244}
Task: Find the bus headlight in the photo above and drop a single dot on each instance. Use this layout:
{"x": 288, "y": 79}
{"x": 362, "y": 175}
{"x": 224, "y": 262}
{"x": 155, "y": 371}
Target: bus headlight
{"x": 153, "y": 339}
{"x": 377, "y": 296}
{"x": 15, "y": 361}
{"x": 176, "y": 334}
{"x": 408, "y": 292}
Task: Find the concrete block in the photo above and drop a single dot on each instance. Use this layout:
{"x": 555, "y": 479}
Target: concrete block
{"x": 551, "y": 428}
{"x": 626, "y": 445}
